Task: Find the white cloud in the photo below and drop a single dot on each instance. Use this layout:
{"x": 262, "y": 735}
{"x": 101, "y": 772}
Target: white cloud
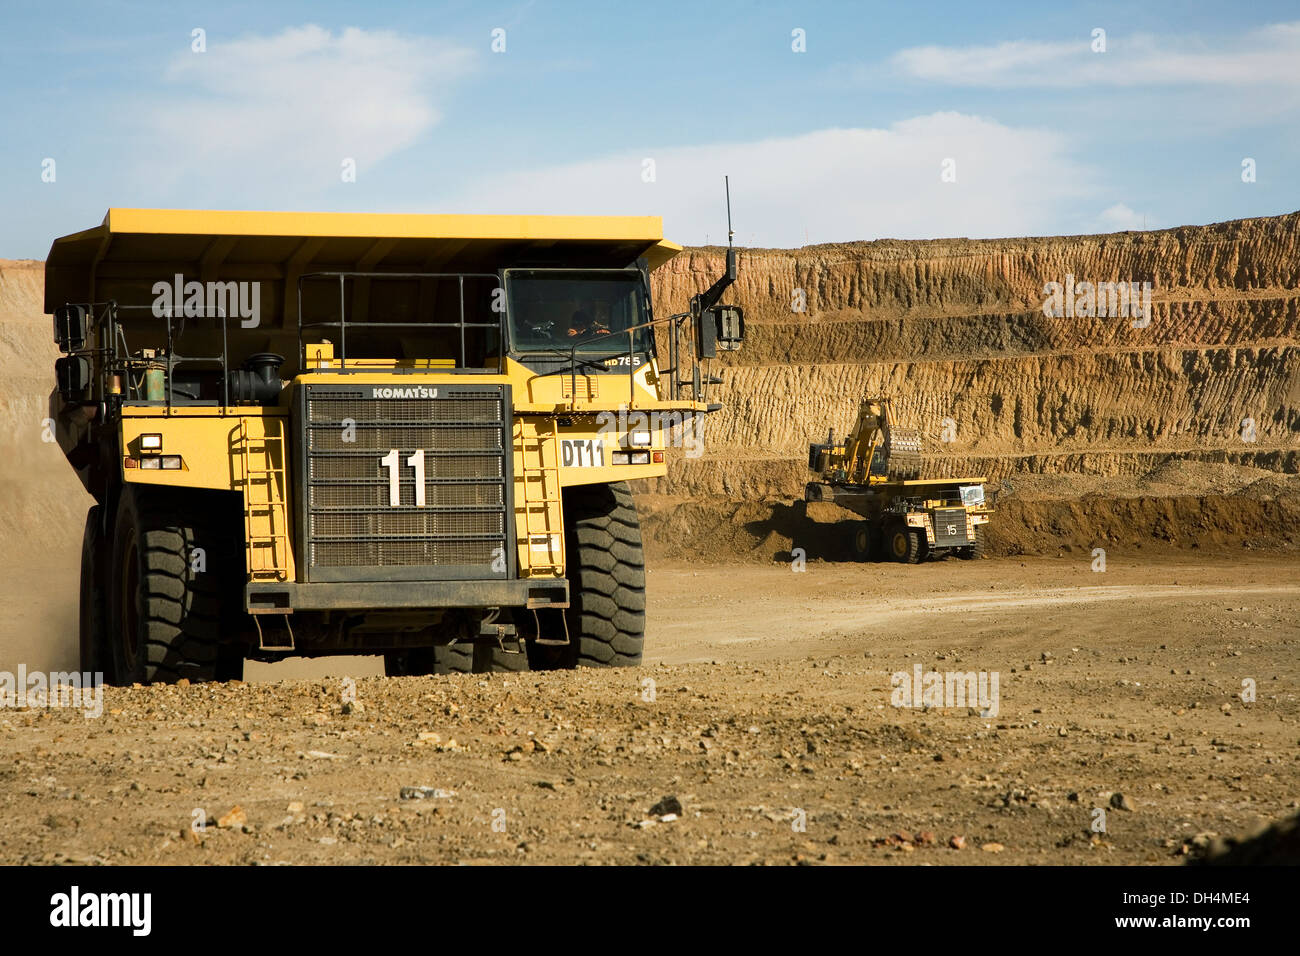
{"x": 1266, "y": 57}
{"x": 823, "y": 186}
{"x": 278, "y": 114}
{"x": 1120, "y": 218}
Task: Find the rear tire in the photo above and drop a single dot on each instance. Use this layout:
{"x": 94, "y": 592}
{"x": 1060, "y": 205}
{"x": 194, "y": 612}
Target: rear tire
{"x": 93, "y": 609}
{"x": 422, "y": 661}
{"x": 905, "y": 544}
{"x": 862, "y": 543}
{"x": 490, "y": 659}
{"x": 461, "y": 658}
{"x": 606, "y": 571}
{"x": 164, "y": 617}
{"x": 230, "y": 662}
{"x": 453, "y": 658}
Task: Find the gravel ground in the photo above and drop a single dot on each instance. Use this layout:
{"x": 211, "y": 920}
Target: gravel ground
{"x": 760, "y": 730}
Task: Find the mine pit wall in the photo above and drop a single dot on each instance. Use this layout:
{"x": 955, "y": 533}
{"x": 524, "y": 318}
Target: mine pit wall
{"x": 955, "y": 331}
{"x": 1056, "y": 408}
{"x": 42, "y": 504}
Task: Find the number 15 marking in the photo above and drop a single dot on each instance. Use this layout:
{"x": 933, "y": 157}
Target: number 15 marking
{"x": 416, "y": 461}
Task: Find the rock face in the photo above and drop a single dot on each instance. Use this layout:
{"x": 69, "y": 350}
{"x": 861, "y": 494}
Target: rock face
{"x": 39, "y": 494}
{"x": 955, "y": 330}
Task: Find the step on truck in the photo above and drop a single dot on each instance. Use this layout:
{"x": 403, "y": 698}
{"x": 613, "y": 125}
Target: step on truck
{"x": 397, "y": 435}
{"x": 875, "y": 472}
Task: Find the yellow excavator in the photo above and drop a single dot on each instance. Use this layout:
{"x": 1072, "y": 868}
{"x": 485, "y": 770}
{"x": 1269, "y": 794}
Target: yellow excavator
{"x": 875, "y": 450}
{"x": 875, "y": 472}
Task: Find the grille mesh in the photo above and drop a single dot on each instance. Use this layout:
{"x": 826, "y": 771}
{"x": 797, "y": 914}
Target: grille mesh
{"x": 364, "y": 467}
{"x": 374, "y": 495}
{"x": 395, "y": 523}
{"x": 945, "y": 518}
{"x": 381, "y": 438}
{"x": 325, "y": 407}
{"x": 346, "y": 554}
{"x": 351, "y": 522}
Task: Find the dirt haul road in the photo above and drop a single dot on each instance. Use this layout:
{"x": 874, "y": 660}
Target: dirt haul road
{"x": 766, "y": 715}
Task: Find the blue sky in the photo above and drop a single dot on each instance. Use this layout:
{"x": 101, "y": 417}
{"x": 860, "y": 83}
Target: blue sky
{"x": 641, "y": 108}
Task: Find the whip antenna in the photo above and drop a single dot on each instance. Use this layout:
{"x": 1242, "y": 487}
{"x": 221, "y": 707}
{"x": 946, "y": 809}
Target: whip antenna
{"x": 726, "y": 181}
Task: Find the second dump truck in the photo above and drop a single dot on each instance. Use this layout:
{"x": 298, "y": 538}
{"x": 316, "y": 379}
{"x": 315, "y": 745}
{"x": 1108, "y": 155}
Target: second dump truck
{"x": 875, "y": 472}
{"x": 407, "y": 435}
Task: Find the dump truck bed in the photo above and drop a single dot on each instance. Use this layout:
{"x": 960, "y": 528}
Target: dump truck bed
{"x": 132, "y": 248}
{"x": 844, "y": 494}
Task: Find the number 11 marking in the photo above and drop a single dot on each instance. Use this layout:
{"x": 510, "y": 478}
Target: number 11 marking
{"x": 416, "y": 461}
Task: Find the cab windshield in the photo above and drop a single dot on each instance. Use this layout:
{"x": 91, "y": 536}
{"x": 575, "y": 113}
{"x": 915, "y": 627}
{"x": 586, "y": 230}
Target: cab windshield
{"x": 557, "y": 310}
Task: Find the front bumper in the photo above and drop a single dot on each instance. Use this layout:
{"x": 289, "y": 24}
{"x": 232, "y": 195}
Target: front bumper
{"x": 271, "y": 598}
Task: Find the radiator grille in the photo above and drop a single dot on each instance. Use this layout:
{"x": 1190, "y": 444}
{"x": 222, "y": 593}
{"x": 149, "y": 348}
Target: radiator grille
{"x": 354, "y": 529}
{"x": 946, "y": 520}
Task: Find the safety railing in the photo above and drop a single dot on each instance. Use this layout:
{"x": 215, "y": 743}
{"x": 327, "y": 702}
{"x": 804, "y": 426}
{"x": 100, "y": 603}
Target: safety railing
{"x": 673, "y": 323}
{"x": 172, "y": 360}
{"x": 117, "y": 364}
{"x": 342, "y": 323}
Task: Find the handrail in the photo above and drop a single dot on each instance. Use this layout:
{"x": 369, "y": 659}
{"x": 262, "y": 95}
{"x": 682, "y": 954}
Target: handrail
{"x": 674, "y": 349}
{"x": 631, "y": 349}
{"x": 342, "y": 323}
{"x": 175, "y": 360}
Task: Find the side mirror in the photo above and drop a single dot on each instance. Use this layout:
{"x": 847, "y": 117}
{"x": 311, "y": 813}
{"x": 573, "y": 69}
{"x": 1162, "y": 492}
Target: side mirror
{"x": 721, "y": 327}
{"x": 73, "y": 375}
{"x": 70, "y": 327}
{"x": 730, "y": 323}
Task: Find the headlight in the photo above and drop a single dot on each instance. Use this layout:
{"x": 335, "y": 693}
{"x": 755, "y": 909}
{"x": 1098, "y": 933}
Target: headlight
{"x": 151, "y": 442}
{"x": 638, "y": 439}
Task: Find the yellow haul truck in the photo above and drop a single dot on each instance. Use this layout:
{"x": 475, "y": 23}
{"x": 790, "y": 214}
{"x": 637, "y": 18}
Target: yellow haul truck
{"x": 875, "y": 471}
{"x": 407, "y": 435}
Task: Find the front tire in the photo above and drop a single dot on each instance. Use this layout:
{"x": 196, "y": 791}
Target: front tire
{"x": 606, "y": 570}
{"x": 164, "y": 603}
{"x": 978, "y": 549}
